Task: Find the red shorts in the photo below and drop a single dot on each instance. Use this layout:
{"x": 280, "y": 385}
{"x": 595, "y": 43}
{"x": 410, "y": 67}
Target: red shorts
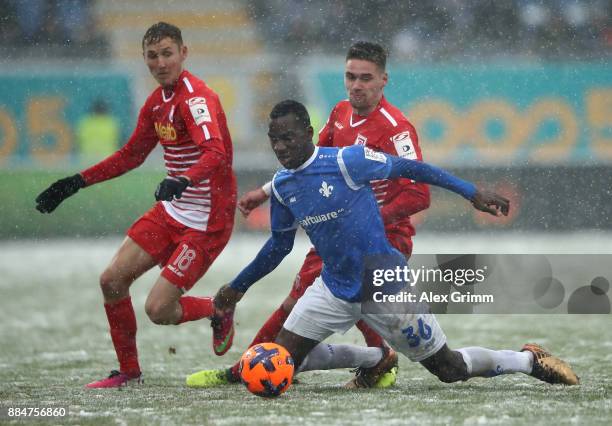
{"x": 183, "y": 253}
{"x": 311, "y": 268}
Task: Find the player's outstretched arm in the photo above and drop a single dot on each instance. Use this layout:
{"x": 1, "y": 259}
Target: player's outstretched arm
{"x": 491, "y": 202}
{"x": 50, "y": 198}
{"x": 482, "y": 200}
{"x": 253, "y": 199}
{"x": 269, "y": 257}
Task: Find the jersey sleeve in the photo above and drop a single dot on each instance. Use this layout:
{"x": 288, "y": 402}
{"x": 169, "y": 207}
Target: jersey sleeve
{"x": 414, "y": 197}
{"x": 403, "y": 142}
{"x": 360, "y": 165}
{"x": 326, "y": 134}
{"x": 281, "y": 218}
{"x": 201, "y": 113}
{"x": 202, "y": 117}
{"x": 130, "y": 156}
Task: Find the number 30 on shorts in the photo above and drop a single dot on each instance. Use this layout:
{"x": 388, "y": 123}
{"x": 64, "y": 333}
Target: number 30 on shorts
{"x": 424, "y": 332}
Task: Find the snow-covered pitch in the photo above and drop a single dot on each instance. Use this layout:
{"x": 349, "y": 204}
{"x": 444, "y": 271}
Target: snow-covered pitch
{"x": 54, "y": 340}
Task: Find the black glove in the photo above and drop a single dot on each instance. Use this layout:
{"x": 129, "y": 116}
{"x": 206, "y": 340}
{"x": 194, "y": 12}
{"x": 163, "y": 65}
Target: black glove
{"x": 50, "y": 198}
{"x": 170, "y": 188}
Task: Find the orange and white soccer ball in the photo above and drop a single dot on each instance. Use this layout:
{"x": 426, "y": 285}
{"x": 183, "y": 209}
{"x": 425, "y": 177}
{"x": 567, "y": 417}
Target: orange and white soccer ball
{"x": 266, "y": 369}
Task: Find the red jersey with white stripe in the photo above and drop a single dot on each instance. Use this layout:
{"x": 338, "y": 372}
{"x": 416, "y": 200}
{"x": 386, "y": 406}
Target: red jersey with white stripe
{"x": 189, "y": 122}
{"x": 384, "y": 129}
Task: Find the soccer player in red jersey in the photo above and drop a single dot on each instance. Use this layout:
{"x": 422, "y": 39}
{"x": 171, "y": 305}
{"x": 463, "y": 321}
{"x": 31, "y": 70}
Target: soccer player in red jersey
{"x": 365, "y": 118}
{"x": 192, "y": 221}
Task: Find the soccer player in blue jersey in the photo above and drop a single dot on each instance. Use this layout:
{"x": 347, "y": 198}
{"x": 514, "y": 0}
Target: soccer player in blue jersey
{"x": 326, "y": 191}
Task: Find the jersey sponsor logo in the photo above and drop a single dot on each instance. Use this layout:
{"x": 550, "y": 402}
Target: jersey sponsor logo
{"x": 404, "y": 146}
{"x": 199, "y": 110}
{"x": 326, "y": 189}
{"x": 165, "y": 132}
{"x": 312, "y": 220}
{"x": 339, "y": 125}
{"x": 197, "y": 100}
{"x": 360, "y": 140}
{"x": 370, "y": 154}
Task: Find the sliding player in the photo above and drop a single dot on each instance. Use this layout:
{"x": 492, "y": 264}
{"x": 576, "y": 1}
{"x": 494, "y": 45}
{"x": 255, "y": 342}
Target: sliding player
{"x": 326, "y": 191}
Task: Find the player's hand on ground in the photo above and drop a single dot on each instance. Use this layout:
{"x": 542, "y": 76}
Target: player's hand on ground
{"x": 170, "y": 188}
{"x": 491, "y": 202}
{"x": 226, "y": 298}
{"x": 50, "y": 198}
{"x": 251, "y": 200}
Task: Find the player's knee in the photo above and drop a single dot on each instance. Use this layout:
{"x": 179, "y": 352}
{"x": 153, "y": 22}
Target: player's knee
{"x": 449, "y": 375}
{"x": 447, "y": 365}
{"x": 452, "y": 372}
{"x": 111, "y": 284}
{"x": 157, "y": 312}
{"x": 288, "y": 304}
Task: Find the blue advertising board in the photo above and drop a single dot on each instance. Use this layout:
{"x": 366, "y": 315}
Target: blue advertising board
{"x": 38, "y": 113}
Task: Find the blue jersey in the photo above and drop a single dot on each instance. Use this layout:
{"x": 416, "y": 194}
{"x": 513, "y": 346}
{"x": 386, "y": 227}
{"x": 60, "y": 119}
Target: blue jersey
{"x": 329, "y": 196}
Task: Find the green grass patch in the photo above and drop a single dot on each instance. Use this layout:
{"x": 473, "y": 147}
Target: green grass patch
{"x": 108, "y": 208}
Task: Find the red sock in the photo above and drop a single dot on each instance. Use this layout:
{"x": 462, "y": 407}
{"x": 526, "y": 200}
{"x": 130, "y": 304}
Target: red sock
{"x": 195, "y": 308}
{"x": 122, "y": 322}
{"x": 371, "y": 337}
{"x": 267, "y": 332}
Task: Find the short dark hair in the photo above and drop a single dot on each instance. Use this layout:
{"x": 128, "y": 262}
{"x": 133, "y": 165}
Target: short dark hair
{"x": 289, "y": 106}
{"x": 368, "y": 51}
{"x": 161, "y": 30}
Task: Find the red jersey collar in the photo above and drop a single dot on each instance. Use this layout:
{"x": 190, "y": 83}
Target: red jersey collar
{"x": 168, "y": 95}
{"x": 357, "y": 119}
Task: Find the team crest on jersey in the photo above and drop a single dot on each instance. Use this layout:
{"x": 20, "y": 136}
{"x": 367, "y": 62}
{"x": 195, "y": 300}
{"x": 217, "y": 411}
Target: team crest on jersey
{"x": 404, "y": 146}
{"x": 199, "y": 110}
{"x": 361, "y": 139}
{"x": 326, "y": 189}
{"x": 338, "y": 125}
{"x": 370, "y": 154}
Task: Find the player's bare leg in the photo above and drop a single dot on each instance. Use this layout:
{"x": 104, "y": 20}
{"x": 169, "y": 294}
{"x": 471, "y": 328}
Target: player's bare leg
{"x": 162, "y": 305}
{"x": 129, "y": 263}
{"x": 298, "y": 346}
{"x": 447, "y": 365}
{"x": 165, "y": 305}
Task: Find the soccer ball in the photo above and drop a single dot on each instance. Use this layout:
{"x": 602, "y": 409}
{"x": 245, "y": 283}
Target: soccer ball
{"x": 266, "y": 369}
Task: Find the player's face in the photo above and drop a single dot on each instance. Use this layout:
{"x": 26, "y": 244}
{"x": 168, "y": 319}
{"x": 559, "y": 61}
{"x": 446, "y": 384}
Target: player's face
{"x": 290, "y": 141}
{"x": 364, "y": 82}
{"x": 165, "y": 60}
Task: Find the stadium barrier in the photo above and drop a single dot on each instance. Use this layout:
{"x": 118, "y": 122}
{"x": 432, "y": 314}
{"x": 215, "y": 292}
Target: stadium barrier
{"x": 543, "y": 199}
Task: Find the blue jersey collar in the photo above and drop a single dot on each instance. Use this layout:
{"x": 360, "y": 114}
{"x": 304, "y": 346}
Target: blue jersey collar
{"x": 307, "y": 162}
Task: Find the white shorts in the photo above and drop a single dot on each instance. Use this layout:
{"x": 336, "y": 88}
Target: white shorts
{"x": 318, "y": 314}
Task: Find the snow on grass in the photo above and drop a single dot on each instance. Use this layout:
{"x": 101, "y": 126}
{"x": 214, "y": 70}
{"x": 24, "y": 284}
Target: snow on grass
{"x": 54, "y": 339}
